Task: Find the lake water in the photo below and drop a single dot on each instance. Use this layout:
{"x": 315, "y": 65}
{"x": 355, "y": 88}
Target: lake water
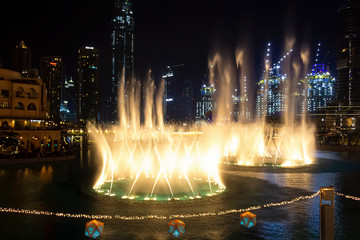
{"x": 64, "y": 187}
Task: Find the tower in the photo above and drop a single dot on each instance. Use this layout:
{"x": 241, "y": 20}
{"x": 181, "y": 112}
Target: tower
{"x": 51, "y": 73}
{"x": 88, "y": 76}
{"x": 348, "y": 62}
{"x": 21, "y": 58}
{"x": 122, "y": 52}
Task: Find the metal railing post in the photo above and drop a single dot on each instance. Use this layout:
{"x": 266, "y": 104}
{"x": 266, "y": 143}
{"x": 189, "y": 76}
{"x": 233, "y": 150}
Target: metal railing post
{"x": 327, "y": 213}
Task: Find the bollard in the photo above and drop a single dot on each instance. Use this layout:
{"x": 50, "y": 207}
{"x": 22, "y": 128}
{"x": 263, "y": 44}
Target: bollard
{"x": 327, "y": 213}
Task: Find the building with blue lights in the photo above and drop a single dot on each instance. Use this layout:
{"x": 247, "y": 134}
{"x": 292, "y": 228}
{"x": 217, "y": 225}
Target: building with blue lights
{"x": 68, "y": 107}
{"x": 320, "y": 88}
{"x": 205, "y": 105}
{"x": 271, "y": 95}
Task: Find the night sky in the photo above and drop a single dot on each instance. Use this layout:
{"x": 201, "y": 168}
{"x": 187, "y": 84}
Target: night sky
{"x": 167, "y": 32}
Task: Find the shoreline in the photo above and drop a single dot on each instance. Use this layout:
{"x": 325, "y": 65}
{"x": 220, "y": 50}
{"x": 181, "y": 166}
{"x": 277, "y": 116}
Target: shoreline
{"x": 15, "y": 161}
{"x": 337, "y": 148}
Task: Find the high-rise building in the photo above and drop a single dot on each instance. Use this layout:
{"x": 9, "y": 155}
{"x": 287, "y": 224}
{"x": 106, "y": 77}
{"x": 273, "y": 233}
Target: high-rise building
{"x": 122, "y": 51}
{"x": 68, "y": 107}
{"x": 88, "y": 77}
{"x": 320, "y": 88}
{"x": 51, "y": 73}
{"x": 271, "y": 95}
{"x": 348, "y": 64}
{"x": 204, "y": 107}
{"x": 245, "y": 112}
{"x": 21, "y": 58}
{"x": 179, "y": 103}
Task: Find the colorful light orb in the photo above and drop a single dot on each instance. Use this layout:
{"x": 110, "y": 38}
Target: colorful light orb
{"x": 248, "y": 219}
{"x": 176, "y": 228}
{"x": 94, "y": 229}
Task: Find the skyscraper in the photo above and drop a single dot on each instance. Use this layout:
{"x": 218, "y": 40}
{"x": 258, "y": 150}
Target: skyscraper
{"x": 348, "y": 64}
{"x": 68, "y": 108}
{"x": 21, "y": 58}
{"x": 51, "y": 73}
{"x": 122, "y": 51}
{"x": 178, "y": 93}
{"x": 204, "y": 106}
{"x": 320, "y": 88}
{"x": 88, "y": 75}
{"x": 271, "y": 95}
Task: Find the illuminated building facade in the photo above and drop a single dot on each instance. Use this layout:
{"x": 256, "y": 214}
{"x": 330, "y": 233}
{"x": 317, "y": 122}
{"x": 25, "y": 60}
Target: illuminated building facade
{"x": 320, "y": 88}
{"x": 68, "y": 108}
{"x": 348, "y": 63}
{"x": 271, "y": 95}
{"x": 24, "y": 112}
{"x": 88, "y": 77}
{"x": 244, "y": 109}
{"x": 204, "y": 107}
{"x": 122, "y": 52}
{"x": 51, "y": 73}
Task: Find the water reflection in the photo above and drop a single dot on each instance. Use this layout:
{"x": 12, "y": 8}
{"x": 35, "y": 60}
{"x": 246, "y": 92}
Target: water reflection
{"x": 60, "y": 187}
{"x": 46, "y": 173}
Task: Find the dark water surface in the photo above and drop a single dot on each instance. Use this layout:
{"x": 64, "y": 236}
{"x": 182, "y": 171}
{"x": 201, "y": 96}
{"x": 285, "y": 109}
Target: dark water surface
{"x": 63, "y": 187}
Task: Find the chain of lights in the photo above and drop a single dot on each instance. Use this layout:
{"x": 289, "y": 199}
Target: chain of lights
{"x": 348, "y": 196}
{"x": 87, "y": 216}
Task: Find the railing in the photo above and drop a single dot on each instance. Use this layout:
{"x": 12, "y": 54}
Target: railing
{"x": 191, "y": 215}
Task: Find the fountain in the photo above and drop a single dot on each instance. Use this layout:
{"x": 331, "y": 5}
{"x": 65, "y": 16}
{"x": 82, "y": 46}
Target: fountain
{"x": 152, "y": 161}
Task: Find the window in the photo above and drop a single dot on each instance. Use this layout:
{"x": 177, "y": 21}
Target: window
{"x": 5, "y": 93}
{"x": 20, "y": 93}
{"x": 32, "y": 94}
{"x": 19, "y": 106}
{"x": 5, "y": 105}
{"x": 5, "y": 124}
{"x": 31, "y": 107}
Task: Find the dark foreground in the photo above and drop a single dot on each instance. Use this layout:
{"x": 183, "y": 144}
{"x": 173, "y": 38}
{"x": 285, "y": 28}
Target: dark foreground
{"x": 63, "y": 187}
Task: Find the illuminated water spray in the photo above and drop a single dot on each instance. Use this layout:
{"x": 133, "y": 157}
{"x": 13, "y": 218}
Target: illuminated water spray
{"x": 151, "y": 161}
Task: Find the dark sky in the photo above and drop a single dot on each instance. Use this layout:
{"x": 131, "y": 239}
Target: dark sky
{"x": 167, "y": 32}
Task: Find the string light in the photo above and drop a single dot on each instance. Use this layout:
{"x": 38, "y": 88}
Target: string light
{"x": 348, "y": 196}
{"x": 191, "y": 215}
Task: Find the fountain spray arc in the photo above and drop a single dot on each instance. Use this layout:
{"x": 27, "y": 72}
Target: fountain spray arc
{"x": 148, "y": 161}
{"x": 284, "y": 142}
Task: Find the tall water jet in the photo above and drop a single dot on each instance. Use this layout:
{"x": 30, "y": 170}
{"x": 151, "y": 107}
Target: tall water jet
{"x": 305, "y": 53}
{"x": 221, "y": 74}
{"x": 122, "y": 103}
{"x": 147, "y": 161}
{"x": 134, "y": 105}
{"x": 159, "y": 105}
{"x": 149, "y": 99}
{"x": 244, "y": 109}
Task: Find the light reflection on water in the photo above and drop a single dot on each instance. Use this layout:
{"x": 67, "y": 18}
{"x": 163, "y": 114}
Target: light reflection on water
{"x": 60, "y": 187}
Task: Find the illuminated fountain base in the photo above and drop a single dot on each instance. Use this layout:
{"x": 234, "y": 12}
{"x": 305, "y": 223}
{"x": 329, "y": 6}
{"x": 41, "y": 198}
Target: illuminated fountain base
{"x": 180, "y": 189}
{"x": 264, "y": 162}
